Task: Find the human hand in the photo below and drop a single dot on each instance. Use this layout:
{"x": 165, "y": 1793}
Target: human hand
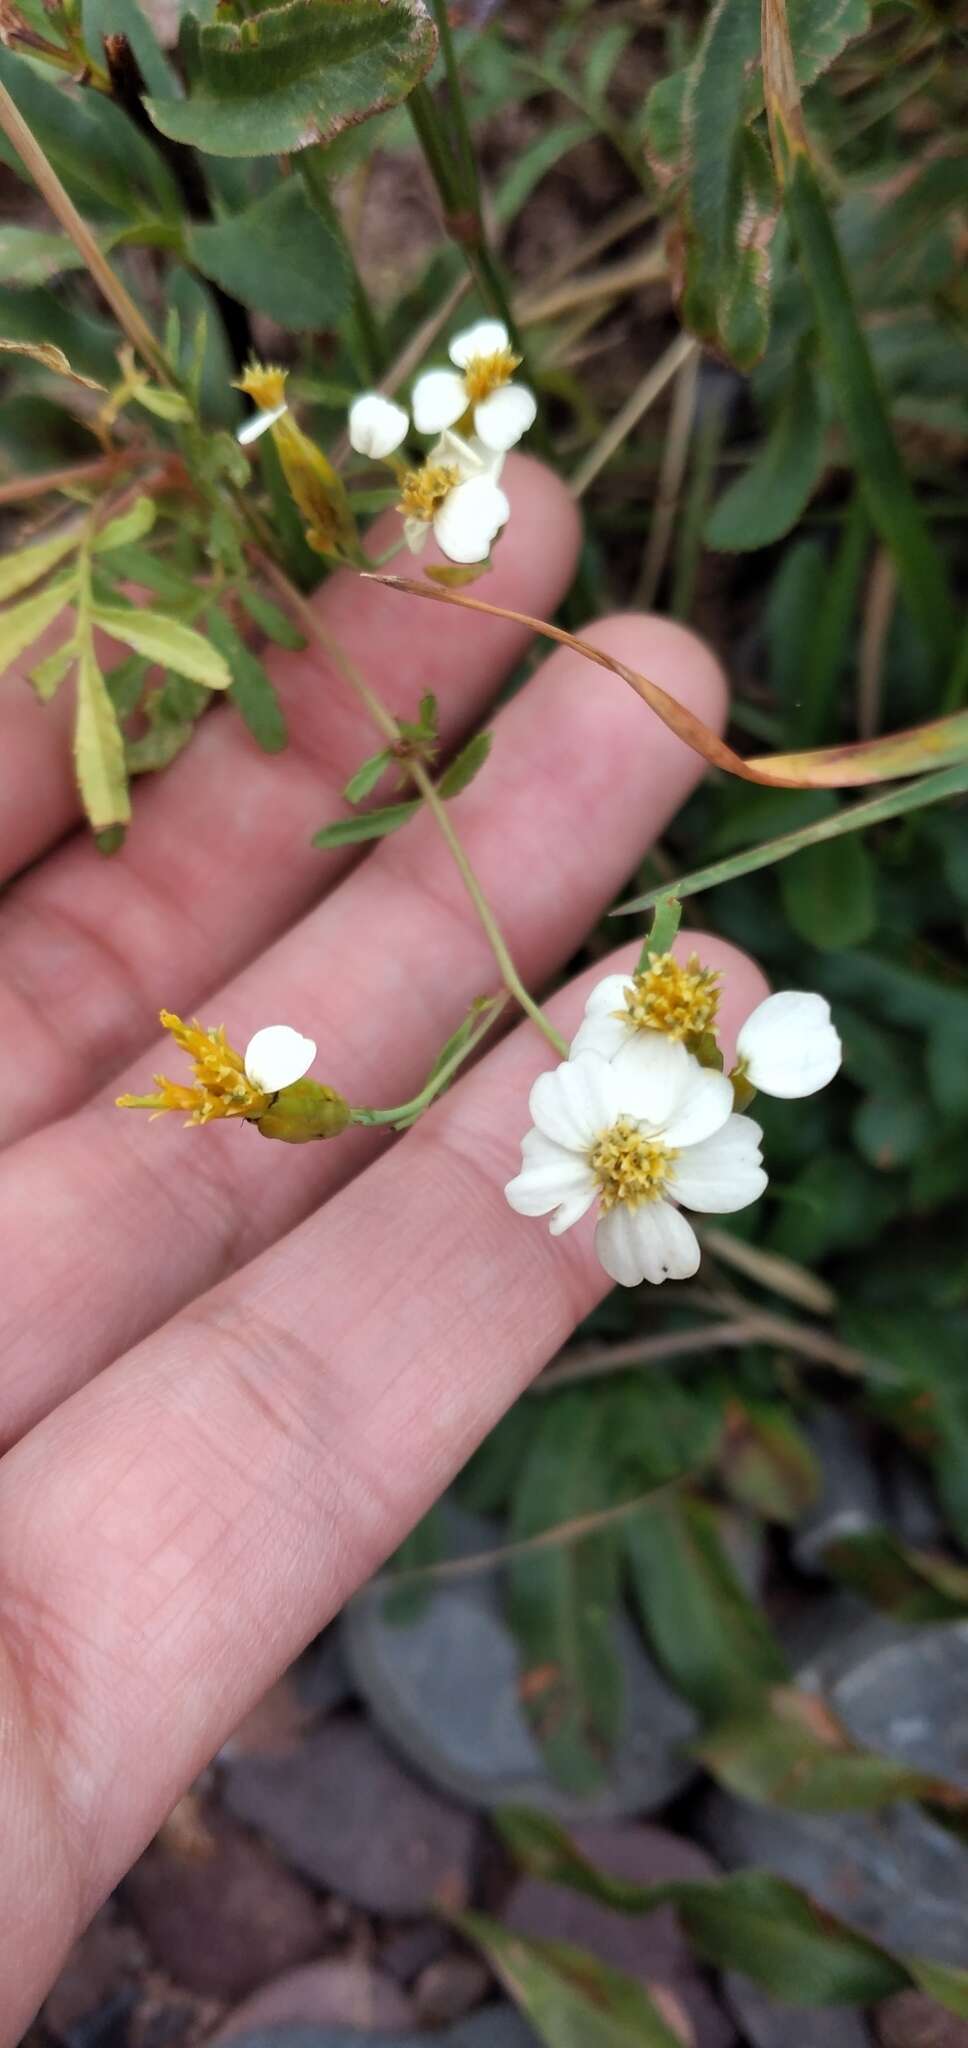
{"x": 233, "y": 1376}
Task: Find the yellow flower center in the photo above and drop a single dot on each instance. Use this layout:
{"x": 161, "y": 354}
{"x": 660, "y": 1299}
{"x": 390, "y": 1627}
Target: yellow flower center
{"x": 221, "y": 1086}
{"x": 265, "y": 384}
{"x": 680, "y": 1001}
{"x": 628, "y": 1166}
{"x": 485, "y": 374}
{"x": 425, "y": 489}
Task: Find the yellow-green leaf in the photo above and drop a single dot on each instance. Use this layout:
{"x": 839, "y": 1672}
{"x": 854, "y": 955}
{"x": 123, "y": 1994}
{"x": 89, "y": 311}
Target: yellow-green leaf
{"x": 129, "y": 527}
{"x": 24, "y": 623}
{"x": 166, "y": 640}
{"x": 28, "y": 565}
{"x": 99, "y": 748}
{"x": 50, "y": 672}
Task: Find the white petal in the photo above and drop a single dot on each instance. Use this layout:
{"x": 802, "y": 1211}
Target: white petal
{"x": 724, "y": 1172}
{"x": 501, "y": 419}
{"x": 377, "y": 426}
{"x": 277, "y": 1056}
{"x": 652, "y": 1073}
{"x": 464, "y": 453}
{"x": 789, "y": 1045}
{"x": 258, "y": 423}
{"x": 438, "y": 399}
{"x": 652, "y": 1242}
{"x": 703, "y": 1107}
{"x": 560, "y": 1179}
{"x": 574, "y": 1102}
{"x": 608, "y": 994}
{"x": 470, "y": 516}
{"x": 603, "y": 1035}
{"x": 416, "y": 533}
{"x": 485, "y": 338}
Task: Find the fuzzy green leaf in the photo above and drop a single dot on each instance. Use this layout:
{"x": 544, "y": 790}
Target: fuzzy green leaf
{"x": 279, "y": 257}
{"x": 291, "y": 76}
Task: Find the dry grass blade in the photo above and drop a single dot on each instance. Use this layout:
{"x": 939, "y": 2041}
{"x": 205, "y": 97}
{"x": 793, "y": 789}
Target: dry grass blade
{"x": 629, "y": 415}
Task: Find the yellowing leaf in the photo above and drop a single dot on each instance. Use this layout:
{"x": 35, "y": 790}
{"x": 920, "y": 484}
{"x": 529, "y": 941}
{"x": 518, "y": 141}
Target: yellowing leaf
{"x": 167, "y": 641}
{"x": 99, "y": 748}
{"x": 49, "y": 673}
{"x": 24, "y": 623}
{"x": 129, "y": 527}
{"x": 51, "y": 358}
{"x": 27, "y": 565}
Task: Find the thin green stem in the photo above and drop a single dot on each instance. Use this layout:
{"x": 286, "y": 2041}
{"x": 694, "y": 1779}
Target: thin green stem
{"x": 407, "y": 1112}
{"x": 388, "y": 727}
{"x": 458, "y": 108}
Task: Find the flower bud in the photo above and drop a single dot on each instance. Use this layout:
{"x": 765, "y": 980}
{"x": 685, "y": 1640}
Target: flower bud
{"x": 305, "y": 1110}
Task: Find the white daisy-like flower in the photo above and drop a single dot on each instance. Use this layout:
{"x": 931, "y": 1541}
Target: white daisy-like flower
{"x": 639, "y": 1133}
{"x": 679, "y": 999}
{"x": 482, "y": 383}
{"x": 276, "y": 1056}
{"x": 377, "y": 426}
{"x": 455, "y": 495}
{"x": 789, "y": 1046}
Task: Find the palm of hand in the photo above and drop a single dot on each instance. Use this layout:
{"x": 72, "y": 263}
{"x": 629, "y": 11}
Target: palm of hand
{"x": 222, "y": 1403}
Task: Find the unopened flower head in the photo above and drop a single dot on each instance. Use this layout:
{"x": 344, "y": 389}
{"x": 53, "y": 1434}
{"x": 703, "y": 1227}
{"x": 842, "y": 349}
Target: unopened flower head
{"x": 481, "y": 385}
{"x": 455, "y": 494}
{"x": 680, "y": 1000}
{"x": 638, "y": 1134}
{"x": 789, "y": 1046}
{"x": 377, "y": 427}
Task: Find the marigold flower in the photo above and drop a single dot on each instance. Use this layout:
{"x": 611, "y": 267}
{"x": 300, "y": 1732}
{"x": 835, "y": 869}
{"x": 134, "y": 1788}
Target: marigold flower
{"x": 455, "y": 494}
{"x": 640, "y": 1134}
{"x": 481, "y": 385}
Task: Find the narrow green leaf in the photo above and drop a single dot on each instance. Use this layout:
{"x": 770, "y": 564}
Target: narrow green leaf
{"x": 367, "y": 776}
{"x": 270, "y": 618}
{"x": 465, "y": 765}
{"x": 775, "y": 490}
{"x": 168, "y": 641}
{"x": 571, "y": 1999}
{"x": 766, "y": 1463}
{"x": 709, "y": 1637}
{"x": 250, "y": 689}
{"x": 99, "y": 747}
{"x": 24, "y": 566}
{"x": 49, "y": 673}
{"x": 279, "y": 257}
{"x": 830, "y": 894}
{"x": 126, "y": 683}
{"x": 30, "y": 256}
{"x": 891, "y": 502}
{"x": 130, "y": 527}
{"x": 162, "y": 403}
{"x": 23, "y": 623}
{"x": 666, "y": 920}
{"x": 294, "y": 75}
{"x": 370, "y": 825}
{"x": 158, "y": 747}
{"x": 135, "y": 564}
{"x": 914, "y": 1585}
{"x": 792, "y": 1752}
{"x": 929, "y": 789}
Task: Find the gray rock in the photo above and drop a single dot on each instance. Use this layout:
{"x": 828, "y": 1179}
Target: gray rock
{"x": 341, "y": 1991}
{"x": 347, "y": 1814}
{"x": 322, "y": 1675}
{"x": 445, "y": 1690}
{"x": 450, "y": 1987}
{"x": 850, "y": 1498}
{"x": 495, "y": 2026}
{"x": 896, "y": 1875}
{"x": 906, "y": 1692}
{"x": 651, "y": 1946}
{"x": 766, "y": 2024}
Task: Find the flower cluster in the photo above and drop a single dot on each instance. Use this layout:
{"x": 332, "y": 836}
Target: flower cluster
{"x": 477, "y": 412}
{"x": 642, "y": 1119}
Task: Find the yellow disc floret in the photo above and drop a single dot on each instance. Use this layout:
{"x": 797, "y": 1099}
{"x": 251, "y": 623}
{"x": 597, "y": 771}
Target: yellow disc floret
{"x": 629, "y": 1166}
{"x": 680, "y": 1001}
{"x": 425, "y": 489}
{"x": 265, "y": 384}
{"x": 221, "y": 1087}
{"x": 485, "y": 374}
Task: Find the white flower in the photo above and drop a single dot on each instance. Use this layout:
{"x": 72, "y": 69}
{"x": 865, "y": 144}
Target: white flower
{"x": 678, "y": 999}
{"x": 486, "y": 363}
{"x": 277, "y": 1056}
{"x": 456, "y": 494}
{"x": 377, "y": 426}
{"x": 641, "y": 1133}
{"x": 789, "y": 1046}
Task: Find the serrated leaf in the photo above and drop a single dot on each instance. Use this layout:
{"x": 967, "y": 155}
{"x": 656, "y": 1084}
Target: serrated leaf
{"x": 279, "y": 257}
{"x": 465, "y": 766}
{"x": 371, "y": 825}
{"x": 24, "y": 566}
{"x": 367, "y": 776}
{"x": 271, "y": 619}
{"x": 250, "y": 689}
{"x": 291, "y": 76}
{"x": 774, "y": 491}
{"x": 167, "y": 641}
{"x": 30, "y": 256}
{"x": 24, "y": 623}
{"x": 99, "y": 747}
{"x": 129, "y": 527}
{"x": 571, "y": 1999}
{"x": 709, "y": 1636}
